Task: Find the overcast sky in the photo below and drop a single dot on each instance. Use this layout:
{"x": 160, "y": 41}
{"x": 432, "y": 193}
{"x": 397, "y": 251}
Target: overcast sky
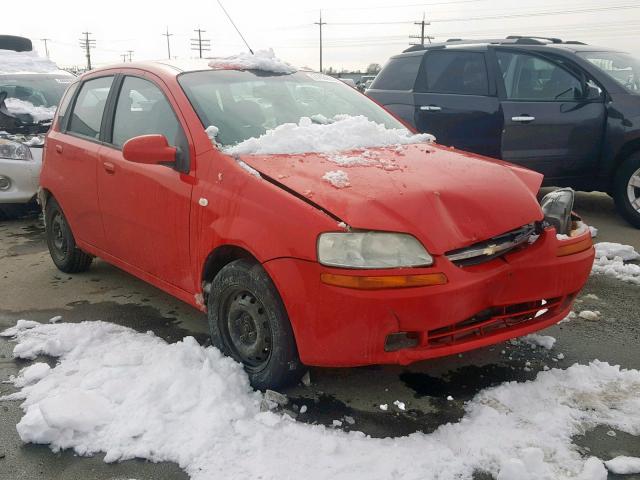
{"x": 357, "y": 32}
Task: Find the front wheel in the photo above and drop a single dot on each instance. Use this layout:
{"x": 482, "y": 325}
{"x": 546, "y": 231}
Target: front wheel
{"x": 626, "y": 190}
{"x": 248, "y": 322}
{"x": 62, "y": 246}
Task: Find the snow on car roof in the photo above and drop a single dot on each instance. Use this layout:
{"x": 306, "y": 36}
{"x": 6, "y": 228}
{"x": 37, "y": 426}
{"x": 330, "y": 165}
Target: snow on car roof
{"x": 264, "y": 60}
{"x": 25, "y": 62}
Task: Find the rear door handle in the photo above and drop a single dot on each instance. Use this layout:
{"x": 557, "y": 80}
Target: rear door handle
{"x": 109, "y": 167}
{"x": 523, "y": 118}
{"x": 430, "y": 108}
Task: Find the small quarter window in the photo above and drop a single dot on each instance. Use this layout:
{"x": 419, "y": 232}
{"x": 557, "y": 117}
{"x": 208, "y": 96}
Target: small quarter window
{"x": 86, "y": 118}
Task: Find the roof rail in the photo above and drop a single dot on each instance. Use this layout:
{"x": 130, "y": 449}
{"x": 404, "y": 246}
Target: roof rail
{"x": 549, "y": 39}
{"x": 511, "y": 39}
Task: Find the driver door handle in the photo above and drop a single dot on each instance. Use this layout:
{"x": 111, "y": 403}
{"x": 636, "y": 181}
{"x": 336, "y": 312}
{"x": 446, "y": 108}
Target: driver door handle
{"x": 430, "y": 108}
{"x": 523, "y": 118}
{"x": 109, "y": 167}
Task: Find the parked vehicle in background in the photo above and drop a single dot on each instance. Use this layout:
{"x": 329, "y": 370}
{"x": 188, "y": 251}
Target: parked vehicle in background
{"x": 30, "y": 90}
{"x": 226, "y": 185}
{"x": 565, "y": 109}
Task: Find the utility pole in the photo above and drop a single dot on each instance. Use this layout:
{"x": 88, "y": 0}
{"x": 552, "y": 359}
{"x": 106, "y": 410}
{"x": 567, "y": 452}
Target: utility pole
{"x": 124, "y": 57}
{"x": 46, "y": 47}
{"x": 129, "y": 52}
{"x": 200, "y": 43}
{"x": 320, "y": 23}
{"x": 422, "y": 36}
{"x": 168, "y": 43}
{"x": 87, "y": 44}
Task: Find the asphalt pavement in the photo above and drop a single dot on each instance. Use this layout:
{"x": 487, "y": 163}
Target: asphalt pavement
{"x": 31, "y": 288}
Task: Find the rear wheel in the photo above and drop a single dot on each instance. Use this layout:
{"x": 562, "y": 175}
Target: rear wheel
{"x": 626, "y": 191}
{"x": 248, "y": 322}
{"x": 62, "y": 246}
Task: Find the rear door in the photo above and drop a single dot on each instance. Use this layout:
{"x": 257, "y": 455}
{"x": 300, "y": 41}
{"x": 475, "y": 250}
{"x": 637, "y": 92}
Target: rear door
{"x": 456, "y": 100}
{"x": 552, "y": 123}
{"x": 145, "y": 208}
{"x": 73, "y": 153}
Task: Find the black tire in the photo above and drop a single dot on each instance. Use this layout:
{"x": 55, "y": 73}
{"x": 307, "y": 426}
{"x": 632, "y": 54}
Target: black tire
{"x": 62, "y": 246}
{"x": 623, "y": 190}
{"x": 248, "y": 322}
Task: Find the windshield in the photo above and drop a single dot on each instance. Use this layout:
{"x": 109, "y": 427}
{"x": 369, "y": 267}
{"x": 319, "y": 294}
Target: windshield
{"x": 245, "y": 104}
{"x": 30, "y": 99}
{"x": 622, "y": 67}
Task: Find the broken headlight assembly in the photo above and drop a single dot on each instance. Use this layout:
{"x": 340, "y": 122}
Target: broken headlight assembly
{"x": 371, "y": 250}
{"x": 557, "y": 207}
{"x": 12, "y": 150}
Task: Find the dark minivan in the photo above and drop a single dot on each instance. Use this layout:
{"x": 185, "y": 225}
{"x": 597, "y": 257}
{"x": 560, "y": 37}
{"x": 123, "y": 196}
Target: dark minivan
{"x": 566, "y": 109}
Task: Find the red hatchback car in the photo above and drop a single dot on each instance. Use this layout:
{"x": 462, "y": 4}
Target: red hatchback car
{"x": 294, "y": 262}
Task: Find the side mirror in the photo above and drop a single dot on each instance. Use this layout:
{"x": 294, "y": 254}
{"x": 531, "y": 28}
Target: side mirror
{"x": 149, "y": 149}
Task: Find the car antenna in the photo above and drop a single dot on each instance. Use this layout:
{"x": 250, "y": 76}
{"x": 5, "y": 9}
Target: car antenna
{"x": 234, "y": 26}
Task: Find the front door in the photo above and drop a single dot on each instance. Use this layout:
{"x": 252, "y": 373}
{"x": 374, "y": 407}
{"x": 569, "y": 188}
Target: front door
{"x": 551, "y": 124}
{"x": 456, "y": 101}
{"x": 145, "y": 208}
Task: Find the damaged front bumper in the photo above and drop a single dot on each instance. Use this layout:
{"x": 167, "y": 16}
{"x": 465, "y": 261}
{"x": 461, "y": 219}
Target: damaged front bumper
{"x": 522, "y": 291}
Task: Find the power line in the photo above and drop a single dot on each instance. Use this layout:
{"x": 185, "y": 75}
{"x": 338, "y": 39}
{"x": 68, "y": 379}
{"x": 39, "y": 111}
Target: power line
{"x": 87, "y": 44}
{"x": 168, "y": 43}
{"x": 320, "y": 23}
{"x": 200, "y": 43}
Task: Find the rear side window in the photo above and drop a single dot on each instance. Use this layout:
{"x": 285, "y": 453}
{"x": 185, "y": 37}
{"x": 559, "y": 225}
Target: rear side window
{"x": 398, "y": 74}
{"x": 86, "y": 117}
{"x": 455, "y": 72}
{"x": 66, "y": 101}
{"x": 142, "y": 109}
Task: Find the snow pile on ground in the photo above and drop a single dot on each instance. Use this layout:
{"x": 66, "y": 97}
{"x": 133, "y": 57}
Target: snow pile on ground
{"x": 624, "y": 465}
{"x": 610, "y": 260}
{"x": 537, "y": 340}
{"x": 337, "y": 178}
{"x": 25, "y": 62}
{"x": 15, "y": 106}
{"x": 132, "y": 395}
{"x": 345, "y": 132}
{"x": 264, "y": 60}
{"x": 612, "y": 250}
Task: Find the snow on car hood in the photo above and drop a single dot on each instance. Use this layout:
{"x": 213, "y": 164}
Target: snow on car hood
{"x": 15, "y": 106}
{"x": 25, "y": 62}
{"x": 446, "y": 198}
{"x": 264, "y": 60}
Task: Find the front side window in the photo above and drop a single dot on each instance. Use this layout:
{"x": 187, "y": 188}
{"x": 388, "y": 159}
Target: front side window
{"x": 455, "y": 72}
{"x": 398, "y": 74}
{"x": 245, "y": 104}
{"x": 529, "y": 77}
{"x": 86, "y": 118}
{"x": 142, "y": 109}
{"x": 622, "y": 67}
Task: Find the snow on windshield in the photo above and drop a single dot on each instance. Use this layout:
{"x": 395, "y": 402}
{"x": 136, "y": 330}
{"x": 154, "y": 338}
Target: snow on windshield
{"x": 264, "y": 60}
{"x": 131, "y": 395}
{"x": 15, "y": 106}
{"x": 343, "y": 132}
{"x": 25, "y": 62}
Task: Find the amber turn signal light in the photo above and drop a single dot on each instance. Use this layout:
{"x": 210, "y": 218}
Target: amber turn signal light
{"x": 570, "y": 249}
{"x": 385, "y": 281}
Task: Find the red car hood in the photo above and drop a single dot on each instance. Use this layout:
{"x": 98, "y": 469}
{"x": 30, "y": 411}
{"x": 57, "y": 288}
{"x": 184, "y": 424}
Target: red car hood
{"x": 447, "y": 199}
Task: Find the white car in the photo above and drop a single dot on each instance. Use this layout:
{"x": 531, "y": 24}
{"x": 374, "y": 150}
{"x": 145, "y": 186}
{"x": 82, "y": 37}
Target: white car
{"x": 30, "y": 89}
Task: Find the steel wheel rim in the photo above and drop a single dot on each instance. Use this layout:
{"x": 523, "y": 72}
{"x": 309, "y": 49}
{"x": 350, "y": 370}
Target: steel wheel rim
{"x": 59, "y": 238}
{"x": 246, "y": 326}
{"x": 633, "y": 190}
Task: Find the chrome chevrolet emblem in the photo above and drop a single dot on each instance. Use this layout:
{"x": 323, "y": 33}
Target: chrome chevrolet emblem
{"x": 490, "y": 250}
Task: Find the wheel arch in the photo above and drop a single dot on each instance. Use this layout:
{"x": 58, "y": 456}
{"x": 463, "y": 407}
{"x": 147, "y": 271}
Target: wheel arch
{"x": 217, "y": 259}
{"x": 628, "y": 149}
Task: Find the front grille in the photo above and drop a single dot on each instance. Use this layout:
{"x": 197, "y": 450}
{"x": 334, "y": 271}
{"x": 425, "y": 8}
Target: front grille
{"x": 494, "y": 247}
{"x": 497, "y": 320}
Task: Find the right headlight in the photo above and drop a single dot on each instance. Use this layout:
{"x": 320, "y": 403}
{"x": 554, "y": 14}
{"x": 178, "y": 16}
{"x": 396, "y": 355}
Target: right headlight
{"x": 12, "y": 150}
{"x": 557, "y": 207}
{"x": 371, "y": 250}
